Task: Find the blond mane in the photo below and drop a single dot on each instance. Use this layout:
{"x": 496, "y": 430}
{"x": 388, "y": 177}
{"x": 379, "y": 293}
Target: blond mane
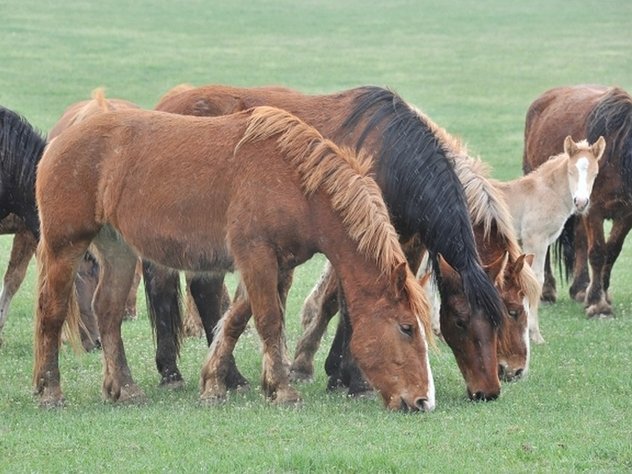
{"x": 485, "y": 202}
{"x": 342, "y": 175}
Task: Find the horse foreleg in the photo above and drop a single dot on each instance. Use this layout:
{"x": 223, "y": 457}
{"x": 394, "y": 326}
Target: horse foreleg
{"x": 23, "y": 248}
{"x": 209, "y": 294}
{"x": 539, "y": 249}
{"x": 620, "y": 229}
{"x": 596, "y": 304}
{"x": 319, "y": 307}
{"x": 117, "y": 266}
{"x": 549, "y": 291}
{"x": 581, "y": 276}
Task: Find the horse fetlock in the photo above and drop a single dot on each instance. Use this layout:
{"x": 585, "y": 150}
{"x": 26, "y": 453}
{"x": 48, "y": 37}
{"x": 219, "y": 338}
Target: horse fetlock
{"x": 171, "y": 380}
{"x": 302, "y": 369}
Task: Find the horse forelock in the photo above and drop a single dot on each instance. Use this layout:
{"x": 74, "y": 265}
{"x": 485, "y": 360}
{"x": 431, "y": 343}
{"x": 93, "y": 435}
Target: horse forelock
{"x": 612, "y": 118}
{"x": 343, "y": 176}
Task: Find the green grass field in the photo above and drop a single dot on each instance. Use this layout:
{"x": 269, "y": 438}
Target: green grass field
{"x": 474, "y": 67}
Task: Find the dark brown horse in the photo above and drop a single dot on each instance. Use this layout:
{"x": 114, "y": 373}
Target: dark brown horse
{"x": 588, "y": 112}
{"x": 424, "y": 196}
{"x": 258, "y": 192}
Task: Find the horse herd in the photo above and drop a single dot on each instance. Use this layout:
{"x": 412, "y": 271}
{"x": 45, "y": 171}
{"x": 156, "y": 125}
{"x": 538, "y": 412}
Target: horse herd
{"x": 256, "y": 180}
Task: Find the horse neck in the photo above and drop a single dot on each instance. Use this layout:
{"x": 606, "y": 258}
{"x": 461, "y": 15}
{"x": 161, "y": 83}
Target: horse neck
{"x": 552, "y": 176}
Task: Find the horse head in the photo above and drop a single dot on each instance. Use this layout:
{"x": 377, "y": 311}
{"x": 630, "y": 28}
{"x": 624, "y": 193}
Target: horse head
{"x": 513, "y": 335}
{"x": 470, "y": 335}
{"x": 583, "y": 166}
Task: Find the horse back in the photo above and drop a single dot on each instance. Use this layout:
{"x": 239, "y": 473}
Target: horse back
{"x": 553, "y": 116}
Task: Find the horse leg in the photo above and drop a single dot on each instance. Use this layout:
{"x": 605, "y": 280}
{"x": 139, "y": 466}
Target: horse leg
{"x": 319, "y": 307}
{"x": 208, "y": 293}
{"x": 596, "y": 304}
{"x": 130, "y": 302}
{"x": 86, "y": 283}
{"x": 620, "y": 229}
{"x": 540, "y": 253}
{"x": 117, "y": 265}
{"x": 581, "y": 276}
{"x": 549, "y": 291}
{"x": 162, "y": 292}
{"x": 23, "y": 248}
{"x": 55, "y": 304}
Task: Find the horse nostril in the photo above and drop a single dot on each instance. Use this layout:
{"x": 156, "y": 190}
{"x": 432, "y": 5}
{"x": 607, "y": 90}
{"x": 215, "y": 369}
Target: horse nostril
{"x": 482, "y": 396}
{"x": 501, "y": 371}
{"x": 421, "y": 404}
{"x": 518, "y": 373}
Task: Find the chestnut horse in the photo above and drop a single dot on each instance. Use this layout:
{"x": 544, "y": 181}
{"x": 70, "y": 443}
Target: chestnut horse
{"x": 505, "y": 264}
{"x": 22, "y": 148}
{"x": 421, "y": 189}
{"x": 542, "y": 201}
{"x": 588, "y": 111}
{"x": 258, "y": 192}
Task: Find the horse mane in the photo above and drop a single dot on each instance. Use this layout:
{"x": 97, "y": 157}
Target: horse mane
{"x": 21, "y": 147}
{"x": 343, "y": 176}
{"x": 412, "y": 159}
{"x": 612, "y": 119}
{"x": 487, "y": 206}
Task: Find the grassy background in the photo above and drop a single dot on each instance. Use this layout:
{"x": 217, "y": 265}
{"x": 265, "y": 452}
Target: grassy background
{"x": 474, "y": 67}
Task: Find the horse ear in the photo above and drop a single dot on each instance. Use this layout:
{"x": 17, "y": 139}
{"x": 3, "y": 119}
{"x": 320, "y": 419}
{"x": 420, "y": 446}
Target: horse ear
{"x": 398, "y": 279}
{"x": 599, "y": 147}
{"x": 447, "y": 272}
{"x": 529, "y": 258}
{"x": 424, "y": 279}
{"x": 570, "y": 148}
{"x": 496, "y": 270}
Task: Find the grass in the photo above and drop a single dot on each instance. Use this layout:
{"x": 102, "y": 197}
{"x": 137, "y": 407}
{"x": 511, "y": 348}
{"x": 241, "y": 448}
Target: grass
{"x": 474, "y": 67}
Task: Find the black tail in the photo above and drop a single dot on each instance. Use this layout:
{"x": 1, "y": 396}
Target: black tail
{"x": 563, "y": 249}
{"x": 421, "y": 189}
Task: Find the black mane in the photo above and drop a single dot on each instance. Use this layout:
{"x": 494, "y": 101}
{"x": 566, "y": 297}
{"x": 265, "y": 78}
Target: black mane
{"x": 612, "y": 119}
{"x": 21, "y": 147}
{"x": 422, "y": 190}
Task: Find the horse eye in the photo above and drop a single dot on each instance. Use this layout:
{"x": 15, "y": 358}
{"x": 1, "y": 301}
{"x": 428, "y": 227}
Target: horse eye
{"x": 460, "y": 323}
{"x": 514, "y": 313}
{"x": 406, "y": 329}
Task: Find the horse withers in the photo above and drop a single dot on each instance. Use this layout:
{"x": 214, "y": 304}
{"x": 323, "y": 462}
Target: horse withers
{"x": 258, "y": 192}
{"x": 587, "y": 111}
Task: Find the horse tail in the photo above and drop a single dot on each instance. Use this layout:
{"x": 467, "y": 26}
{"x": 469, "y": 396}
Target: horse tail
{"x": 163, "y": 296}
{"x": 563, "y": 249}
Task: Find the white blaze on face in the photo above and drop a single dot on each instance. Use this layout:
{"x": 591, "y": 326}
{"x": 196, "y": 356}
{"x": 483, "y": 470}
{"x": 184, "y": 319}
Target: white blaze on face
{"x": 582, "y": 193}
{"x": 525, "y": 336}
{"x": 430, "y": 404}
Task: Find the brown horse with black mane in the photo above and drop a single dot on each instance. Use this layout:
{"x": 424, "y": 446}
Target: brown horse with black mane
{"x": 587, "y": 112}
{"x": 258, "y": 192}
{"x": 412, "y": 165}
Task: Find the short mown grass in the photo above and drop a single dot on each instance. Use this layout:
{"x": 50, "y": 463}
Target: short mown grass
{"x": 474, "y": 67}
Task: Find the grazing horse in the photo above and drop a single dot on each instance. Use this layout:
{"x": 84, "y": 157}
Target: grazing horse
{"x": 497, "y": 244}
{"x": 542, "y": 201}
{"x": 257, "y": 192}
{"x": 588, "y": 112}
{"x": 423, "y": 194}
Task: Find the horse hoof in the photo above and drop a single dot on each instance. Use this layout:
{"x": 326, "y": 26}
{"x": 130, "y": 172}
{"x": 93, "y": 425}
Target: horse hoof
{"x": 213, "y": 399}
{"x": 287, "y": 397}
{"x": 51, "y": 402}
{"x": 172, "y": 381}
{"x": 548, "y": 297}
{"x": 131, "y": 394}
{"x": 599, "y": 311}
{"x": 301, "y": 375}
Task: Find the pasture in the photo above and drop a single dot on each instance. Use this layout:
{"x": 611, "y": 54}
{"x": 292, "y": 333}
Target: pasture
{"x": 474, "y": 68}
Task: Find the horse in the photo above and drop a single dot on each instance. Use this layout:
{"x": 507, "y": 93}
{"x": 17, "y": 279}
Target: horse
{"x": 22, "y": 147}
{"x": 541, "y": 202}
{"x": 424, "y": 196}
{"x": 588, "y": 111}
{"x": 257, "y": 192}
{"x": 500, "y": 252}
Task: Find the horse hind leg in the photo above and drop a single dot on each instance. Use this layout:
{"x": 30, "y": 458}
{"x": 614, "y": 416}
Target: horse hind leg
{"x": 319, "y": 308}
{"x": 130, "y": 302}
{"x": 56, "y": 303}
{"x": 117, "y": 266}
{"x": 23, "y": 248}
